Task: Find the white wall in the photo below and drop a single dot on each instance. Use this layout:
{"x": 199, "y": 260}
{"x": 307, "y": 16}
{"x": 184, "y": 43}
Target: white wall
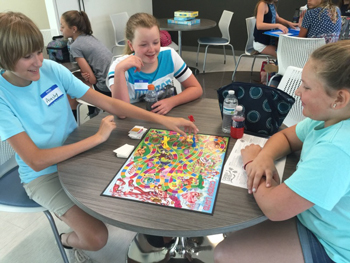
{"x": 34, "y": 9}
{"x": 99, "y": 11}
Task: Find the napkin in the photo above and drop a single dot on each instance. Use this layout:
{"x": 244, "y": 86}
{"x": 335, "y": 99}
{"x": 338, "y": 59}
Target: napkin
{"x": 124, "y": 151}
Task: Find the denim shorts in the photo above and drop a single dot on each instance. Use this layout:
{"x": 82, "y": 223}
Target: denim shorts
{"x": 313, "y": 251}
{"x": 47, "y": 191}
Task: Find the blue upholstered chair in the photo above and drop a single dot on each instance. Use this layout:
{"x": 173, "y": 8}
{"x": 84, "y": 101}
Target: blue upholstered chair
{"x": 223, "y": 41}
{"x": 13, "y": 197}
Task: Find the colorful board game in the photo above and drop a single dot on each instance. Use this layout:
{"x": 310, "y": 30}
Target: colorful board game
{"x": 171, "y": 170}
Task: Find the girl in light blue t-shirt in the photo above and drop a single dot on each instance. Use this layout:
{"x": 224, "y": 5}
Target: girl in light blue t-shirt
{"x": 312, "y": 205}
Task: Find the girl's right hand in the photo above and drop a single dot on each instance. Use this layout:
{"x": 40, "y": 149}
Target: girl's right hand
{"x": 283, "y": 28}
{"x": 261, "y": 166}
{"x": 106, "y": 127}
{"x": 129, "y": 62}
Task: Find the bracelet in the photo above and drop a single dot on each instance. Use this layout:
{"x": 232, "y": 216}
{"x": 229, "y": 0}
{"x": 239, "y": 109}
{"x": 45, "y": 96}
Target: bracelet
{"x": 244, "y": 166}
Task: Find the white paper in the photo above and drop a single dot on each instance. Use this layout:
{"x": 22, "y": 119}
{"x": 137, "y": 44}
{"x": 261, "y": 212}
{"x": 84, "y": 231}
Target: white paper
{"x": 124, "y": 151}
{"x": 234, "y": 173}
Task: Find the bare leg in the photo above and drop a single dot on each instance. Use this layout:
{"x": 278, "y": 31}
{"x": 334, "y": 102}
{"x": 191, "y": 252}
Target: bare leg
{"x": 88, "y": 233}
{"x": 270, "y": 50}
{"x": 268, "y": 242}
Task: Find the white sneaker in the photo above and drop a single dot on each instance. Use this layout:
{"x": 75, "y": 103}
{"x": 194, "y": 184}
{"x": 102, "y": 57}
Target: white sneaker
{"x": 77, "y": 256}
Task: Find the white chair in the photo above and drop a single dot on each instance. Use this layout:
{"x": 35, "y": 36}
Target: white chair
{"x": 249, "y": 50}
{"x": 119, "y": 21}
{"x": 295, "y": 51}
{"x": 290, "y": 81}
{"x": 223, "y": 41}
{"x": 13, "y": 197}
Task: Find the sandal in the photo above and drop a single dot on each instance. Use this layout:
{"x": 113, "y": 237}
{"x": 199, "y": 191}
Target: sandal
{"x": 66, "y": 247}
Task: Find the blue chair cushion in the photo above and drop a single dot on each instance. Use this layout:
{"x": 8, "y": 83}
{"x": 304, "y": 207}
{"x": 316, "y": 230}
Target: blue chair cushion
{"x": 212, "y": 40}
{"x": 12, "y": 192}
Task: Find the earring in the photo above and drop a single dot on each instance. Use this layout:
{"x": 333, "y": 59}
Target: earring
{"x": 334, "y": 105}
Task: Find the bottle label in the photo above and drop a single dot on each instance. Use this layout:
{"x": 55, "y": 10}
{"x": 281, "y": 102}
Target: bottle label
{"x": 228, "y": 111}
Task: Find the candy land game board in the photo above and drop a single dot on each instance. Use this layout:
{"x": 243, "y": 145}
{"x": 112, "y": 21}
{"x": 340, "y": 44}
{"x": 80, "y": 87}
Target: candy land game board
{"x": 170, "y": 170}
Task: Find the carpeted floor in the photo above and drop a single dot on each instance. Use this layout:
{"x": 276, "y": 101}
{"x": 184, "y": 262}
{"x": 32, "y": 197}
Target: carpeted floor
{"x": 214, "y": 80}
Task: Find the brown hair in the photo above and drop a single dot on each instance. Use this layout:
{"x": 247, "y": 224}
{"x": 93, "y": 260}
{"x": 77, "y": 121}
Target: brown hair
{"x": 19, "y": 36}
{"x": 138, "y": 20}
{"x": 333, "y": 64}
{"x": 78, "y": 19}
{"x": 266, "y": 2}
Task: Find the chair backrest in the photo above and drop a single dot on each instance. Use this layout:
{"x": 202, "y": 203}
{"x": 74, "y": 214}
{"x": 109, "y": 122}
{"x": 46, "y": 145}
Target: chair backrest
{"x": 7, "y": 158}
{"x": 290, "y": 81}
{"x": 224, "y": 24}
{"x": 295, "y": 51}
{"x": 119, "y": 23}
{"x": 250, "y": 23}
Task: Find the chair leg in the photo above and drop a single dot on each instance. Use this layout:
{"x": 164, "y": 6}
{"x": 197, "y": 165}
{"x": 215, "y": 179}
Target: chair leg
{"x": 205, "y": 58}
{"x": 57, "y": 236}
{"x": 233, "y": 54}
{"x": 224, "y": 54}
{"x": 197, "y": 54}
{"x": 234, "y": 72}
{"x": 251, "y": 69}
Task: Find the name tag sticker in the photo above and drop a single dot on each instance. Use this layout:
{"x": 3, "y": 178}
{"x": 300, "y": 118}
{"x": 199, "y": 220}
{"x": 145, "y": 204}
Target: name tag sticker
{"x": 141, "y": 85}
{"x": 51, "y": 95}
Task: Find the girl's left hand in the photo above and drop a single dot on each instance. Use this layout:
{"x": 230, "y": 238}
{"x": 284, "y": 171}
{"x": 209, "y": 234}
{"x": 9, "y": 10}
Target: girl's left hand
{"x": 293, "y": 25}
{"x": 163, "y": 106}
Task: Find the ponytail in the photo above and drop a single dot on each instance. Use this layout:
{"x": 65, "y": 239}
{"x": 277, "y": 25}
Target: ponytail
{"x": 78, "y": 19}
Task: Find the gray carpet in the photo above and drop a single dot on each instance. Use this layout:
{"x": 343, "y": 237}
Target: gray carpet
{"x": 214, "y": 80}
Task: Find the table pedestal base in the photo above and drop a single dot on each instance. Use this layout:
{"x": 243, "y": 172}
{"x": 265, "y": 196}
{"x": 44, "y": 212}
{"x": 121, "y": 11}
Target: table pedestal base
{"x": 184, "y": 250}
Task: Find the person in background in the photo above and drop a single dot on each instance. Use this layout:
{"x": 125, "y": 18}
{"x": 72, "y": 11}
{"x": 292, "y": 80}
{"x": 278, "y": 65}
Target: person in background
{"x": 92, "y": 56}
{"x": 267, "y": 18}
{"x": 344, "y": 6}
{"x": 321, "y": 20}
{"x": 36, "y": 119}
{"x": 312, "y": 205}
{"x": 146, "y": 62}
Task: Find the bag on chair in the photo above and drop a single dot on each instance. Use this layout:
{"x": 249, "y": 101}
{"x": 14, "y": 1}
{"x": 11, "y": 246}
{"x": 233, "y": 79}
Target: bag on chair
{"x": 265, "y": 107}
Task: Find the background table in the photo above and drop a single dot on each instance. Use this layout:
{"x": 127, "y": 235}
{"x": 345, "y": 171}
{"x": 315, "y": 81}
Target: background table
{"x": 204, "y": 24}
{"x": 278, "y": 32}
{"x": 86, "y": 175}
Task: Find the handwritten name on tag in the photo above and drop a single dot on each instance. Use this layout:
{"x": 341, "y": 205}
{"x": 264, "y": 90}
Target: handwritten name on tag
{"x": 51, "y": 95}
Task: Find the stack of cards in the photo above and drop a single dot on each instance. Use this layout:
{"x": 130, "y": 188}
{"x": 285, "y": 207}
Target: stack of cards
{"x": 137, "y": 132}
{"x": 124, "y": 151}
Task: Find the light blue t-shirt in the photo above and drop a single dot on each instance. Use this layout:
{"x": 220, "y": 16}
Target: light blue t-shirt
{"x": 170, "y": 66}
{"x": 323, "y": 178}
{"x": 41, "y": 110}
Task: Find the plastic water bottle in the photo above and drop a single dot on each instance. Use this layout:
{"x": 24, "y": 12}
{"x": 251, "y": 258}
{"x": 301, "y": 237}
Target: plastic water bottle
{"x": 229, "y": 106}
{"x": 69, "y": 43}
{"x": 151, "y": 97}
{"x": 296, "y": 16}
{"x": 237, "y": 128}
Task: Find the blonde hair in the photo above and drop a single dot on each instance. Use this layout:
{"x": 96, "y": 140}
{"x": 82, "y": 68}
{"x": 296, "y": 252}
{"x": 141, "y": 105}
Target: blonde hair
{"x": 333, "y": 64}
{"x": 78, "y": 19}
{"x": 328, "y": 4}
{"x": 138, "y": 20}
{"x": 19, "y": 36}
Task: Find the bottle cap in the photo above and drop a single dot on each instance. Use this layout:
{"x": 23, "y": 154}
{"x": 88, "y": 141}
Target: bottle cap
{"x": 231, "y": 92}
{"x": 150, "y": 87}
{"x": 239, "y": 108}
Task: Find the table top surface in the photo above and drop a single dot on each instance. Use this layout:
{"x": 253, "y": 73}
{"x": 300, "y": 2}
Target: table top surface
{"x": 204, "y": 24}
{"x": 85, "y": 176}
{"x": 278, "y": 32}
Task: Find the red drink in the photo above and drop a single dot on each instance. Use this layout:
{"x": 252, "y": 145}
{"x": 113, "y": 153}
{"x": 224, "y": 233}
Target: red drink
{"x": 237, "y": 127}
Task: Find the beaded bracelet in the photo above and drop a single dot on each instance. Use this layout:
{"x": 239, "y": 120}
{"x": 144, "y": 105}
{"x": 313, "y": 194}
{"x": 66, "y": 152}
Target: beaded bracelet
{"x": 244, "y": 166}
